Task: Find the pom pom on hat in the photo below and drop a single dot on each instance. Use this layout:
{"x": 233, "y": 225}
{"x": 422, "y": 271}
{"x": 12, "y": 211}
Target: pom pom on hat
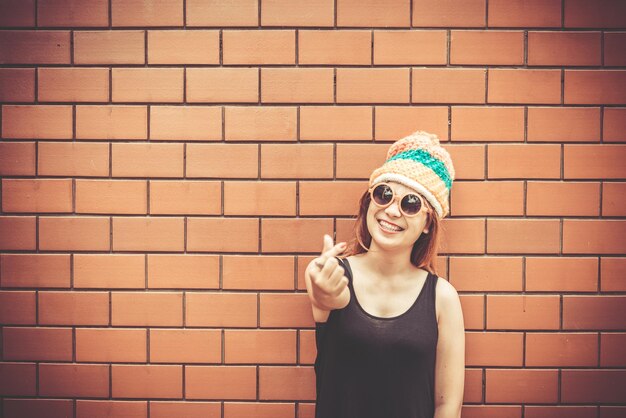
{"x": 419, "y": 161}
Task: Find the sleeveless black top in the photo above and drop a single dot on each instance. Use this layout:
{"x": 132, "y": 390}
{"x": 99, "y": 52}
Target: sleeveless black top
{"x": 369, "y": 366}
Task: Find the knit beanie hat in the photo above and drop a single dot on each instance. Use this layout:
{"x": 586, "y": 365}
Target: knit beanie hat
{"x": 418, "y": 161}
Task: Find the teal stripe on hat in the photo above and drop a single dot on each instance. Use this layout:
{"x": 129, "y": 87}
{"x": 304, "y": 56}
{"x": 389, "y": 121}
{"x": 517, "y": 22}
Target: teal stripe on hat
{"x": 423, "y": 157}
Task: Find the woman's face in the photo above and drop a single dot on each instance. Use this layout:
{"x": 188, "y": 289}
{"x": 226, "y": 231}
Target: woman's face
{"x": 412, "y": 227}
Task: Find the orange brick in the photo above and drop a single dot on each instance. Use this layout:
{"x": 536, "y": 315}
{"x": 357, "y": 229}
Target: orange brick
{"x": 448, "y": 85}
{"x": 109, "y": 47}
{"x": 260, "y": 123}
{"x": 421, "y": 47}
{"x": 594, "y": 312}
{"x": 548, "y": 198}
{"x": 77, "y": 13}
{"x": 297, "y": 13}
{"x": 611, "y": 353}
{"x": 614, "y": 124}
{"x": 74, "y": 233}
{"x": 473, "y": 311}
{"x": 524, "y": 86}
{"x": 285, "y": 310}
{"x": 221, "y": 309}
{"x": 73, "y": 84}
{"x": 479, "y": 274}
{"x": 469, "y": 161}
{"x": 521, "y": 386}
{"x": 487, "y": 47}
{"x": 524, "y": 13}
{"x": 222, "y": 160}
{"x": 615, "y": 49}
{"x": 111, "y": 196}
{"x": 541, "y": 236}
{"x": 16, "y": 13}
{"x": 392, "y": 13}
{"x": 38, "y": 407}
{"x": 146, "y": 381}
{"x": 185, "y": 346}
{"x": 147, "y": 160}
{"x": 85, "y": 408}
{"x": 73, "y": 308}
{"x": 17, "y": 158}
{"x": 448, "y": 13}
{"x": 595, "y": 87}
{"x": 259, "y": 47}
{"x": 18, "y": 233}
{"x": 36, "y": 122}
{"x": 340, "y": 197}
{"x": 104, "y": 271}
{"x": 222, "y": 85}
{"x": 594, "y": 236}
{"x": 260, "y": 346}
{"x": 523, "y": 312}
{"x": 373, "y": 85}
{"x": 189, "y": 271}
{"x": 147, "y": 13}
{"x": 296, "y": 160}
{"x": 34, "y": 47}
{"x": 73, "y": 159}
{"x": 335, "y": 47}
{"x": 37, "y": 195}
{"x": 220, "y": 382}
{"x": 222, "y": 13}
{"x": 594, "y": 386}
{"x": 259, "y": 198}
{"x": 35, "y": 270}
{"x": 359, "y": 160}
{"x": 147, "y": 309}
{"x": 183, "y": 47}
{"x": 164, "y": 409}
{"x": 112, "y": 122}
{"x": 185, "y": 197}
{"x": 395, "y": 122}
{"x": 258, "y": 272}
{"x": 491, "y": 123}
{"x": 612, "y": 271}
{"x": 613, "y": 199}
{"x": 216, "y": 234}
{"x": 463, "y": 236}
{"x": 148, "y": 234}
{"x": 79, "y": 380}
{"x": 561, "y": 274}
{"x": 564, "y": 48}
{"x": 494, "y": 348}
{"x": 17, "y": 84}
{"x": 103, "y": 345}
{"x": 296, "y": 85}
{"x": 147, "y": 84}
{"x": 331, "y": 123}
{"x": 16, "y": 307}
{"x": 298, "y": 382}
{"x": 294, "y": 234}
{"x": 492, "y": 198}
{"x": 189, "y": 123}
{"x": 47, "y": 344}
{"x": 562, "y": 124}
{"x": 537, "y": 161}
{"x": 594, "y": 161}
{"x": 599, "y": 14}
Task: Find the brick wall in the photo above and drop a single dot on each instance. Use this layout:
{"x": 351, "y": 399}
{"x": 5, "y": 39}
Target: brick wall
{"x": 170, "y": 167}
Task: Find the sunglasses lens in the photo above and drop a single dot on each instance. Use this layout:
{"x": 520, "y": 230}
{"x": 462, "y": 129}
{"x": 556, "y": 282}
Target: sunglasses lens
{"x": 382, "y": 194}
{"x": 411, "y": 204}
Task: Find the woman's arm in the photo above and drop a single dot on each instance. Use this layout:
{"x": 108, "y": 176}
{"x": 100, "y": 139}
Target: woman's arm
{"x": 450, "y": 362}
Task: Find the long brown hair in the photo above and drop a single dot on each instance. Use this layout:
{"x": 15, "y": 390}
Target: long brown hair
{"x": 424, "y": 252}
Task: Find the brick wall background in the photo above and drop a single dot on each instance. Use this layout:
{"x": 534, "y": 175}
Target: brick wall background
{"x": 170, "y": 167}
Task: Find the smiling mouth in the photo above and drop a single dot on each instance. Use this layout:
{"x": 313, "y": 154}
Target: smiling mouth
{"x": 386, "y": 226}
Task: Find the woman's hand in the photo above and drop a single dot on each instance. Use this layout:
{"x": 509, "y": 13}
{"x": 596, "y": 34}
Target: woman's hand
{"x": 329, "y": 285}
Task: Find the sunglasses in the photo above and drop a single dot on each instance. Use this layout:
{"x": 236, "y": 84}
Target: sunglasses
{"x": 410, "y": 203}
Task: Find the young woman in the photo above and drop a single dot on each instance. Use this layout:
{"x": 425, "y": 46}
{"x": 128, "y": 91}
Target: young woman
{"x": 389, "y": 332}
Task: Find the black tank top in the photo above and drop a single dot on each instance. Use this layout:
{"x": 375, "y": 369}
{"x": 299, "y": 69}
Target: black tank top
{"x": 372, "y": 367}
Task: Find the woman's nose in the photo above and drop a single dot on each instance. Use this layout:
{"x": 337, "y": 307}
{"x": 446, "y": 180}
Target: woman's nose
{"x": 393, "y": 209}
